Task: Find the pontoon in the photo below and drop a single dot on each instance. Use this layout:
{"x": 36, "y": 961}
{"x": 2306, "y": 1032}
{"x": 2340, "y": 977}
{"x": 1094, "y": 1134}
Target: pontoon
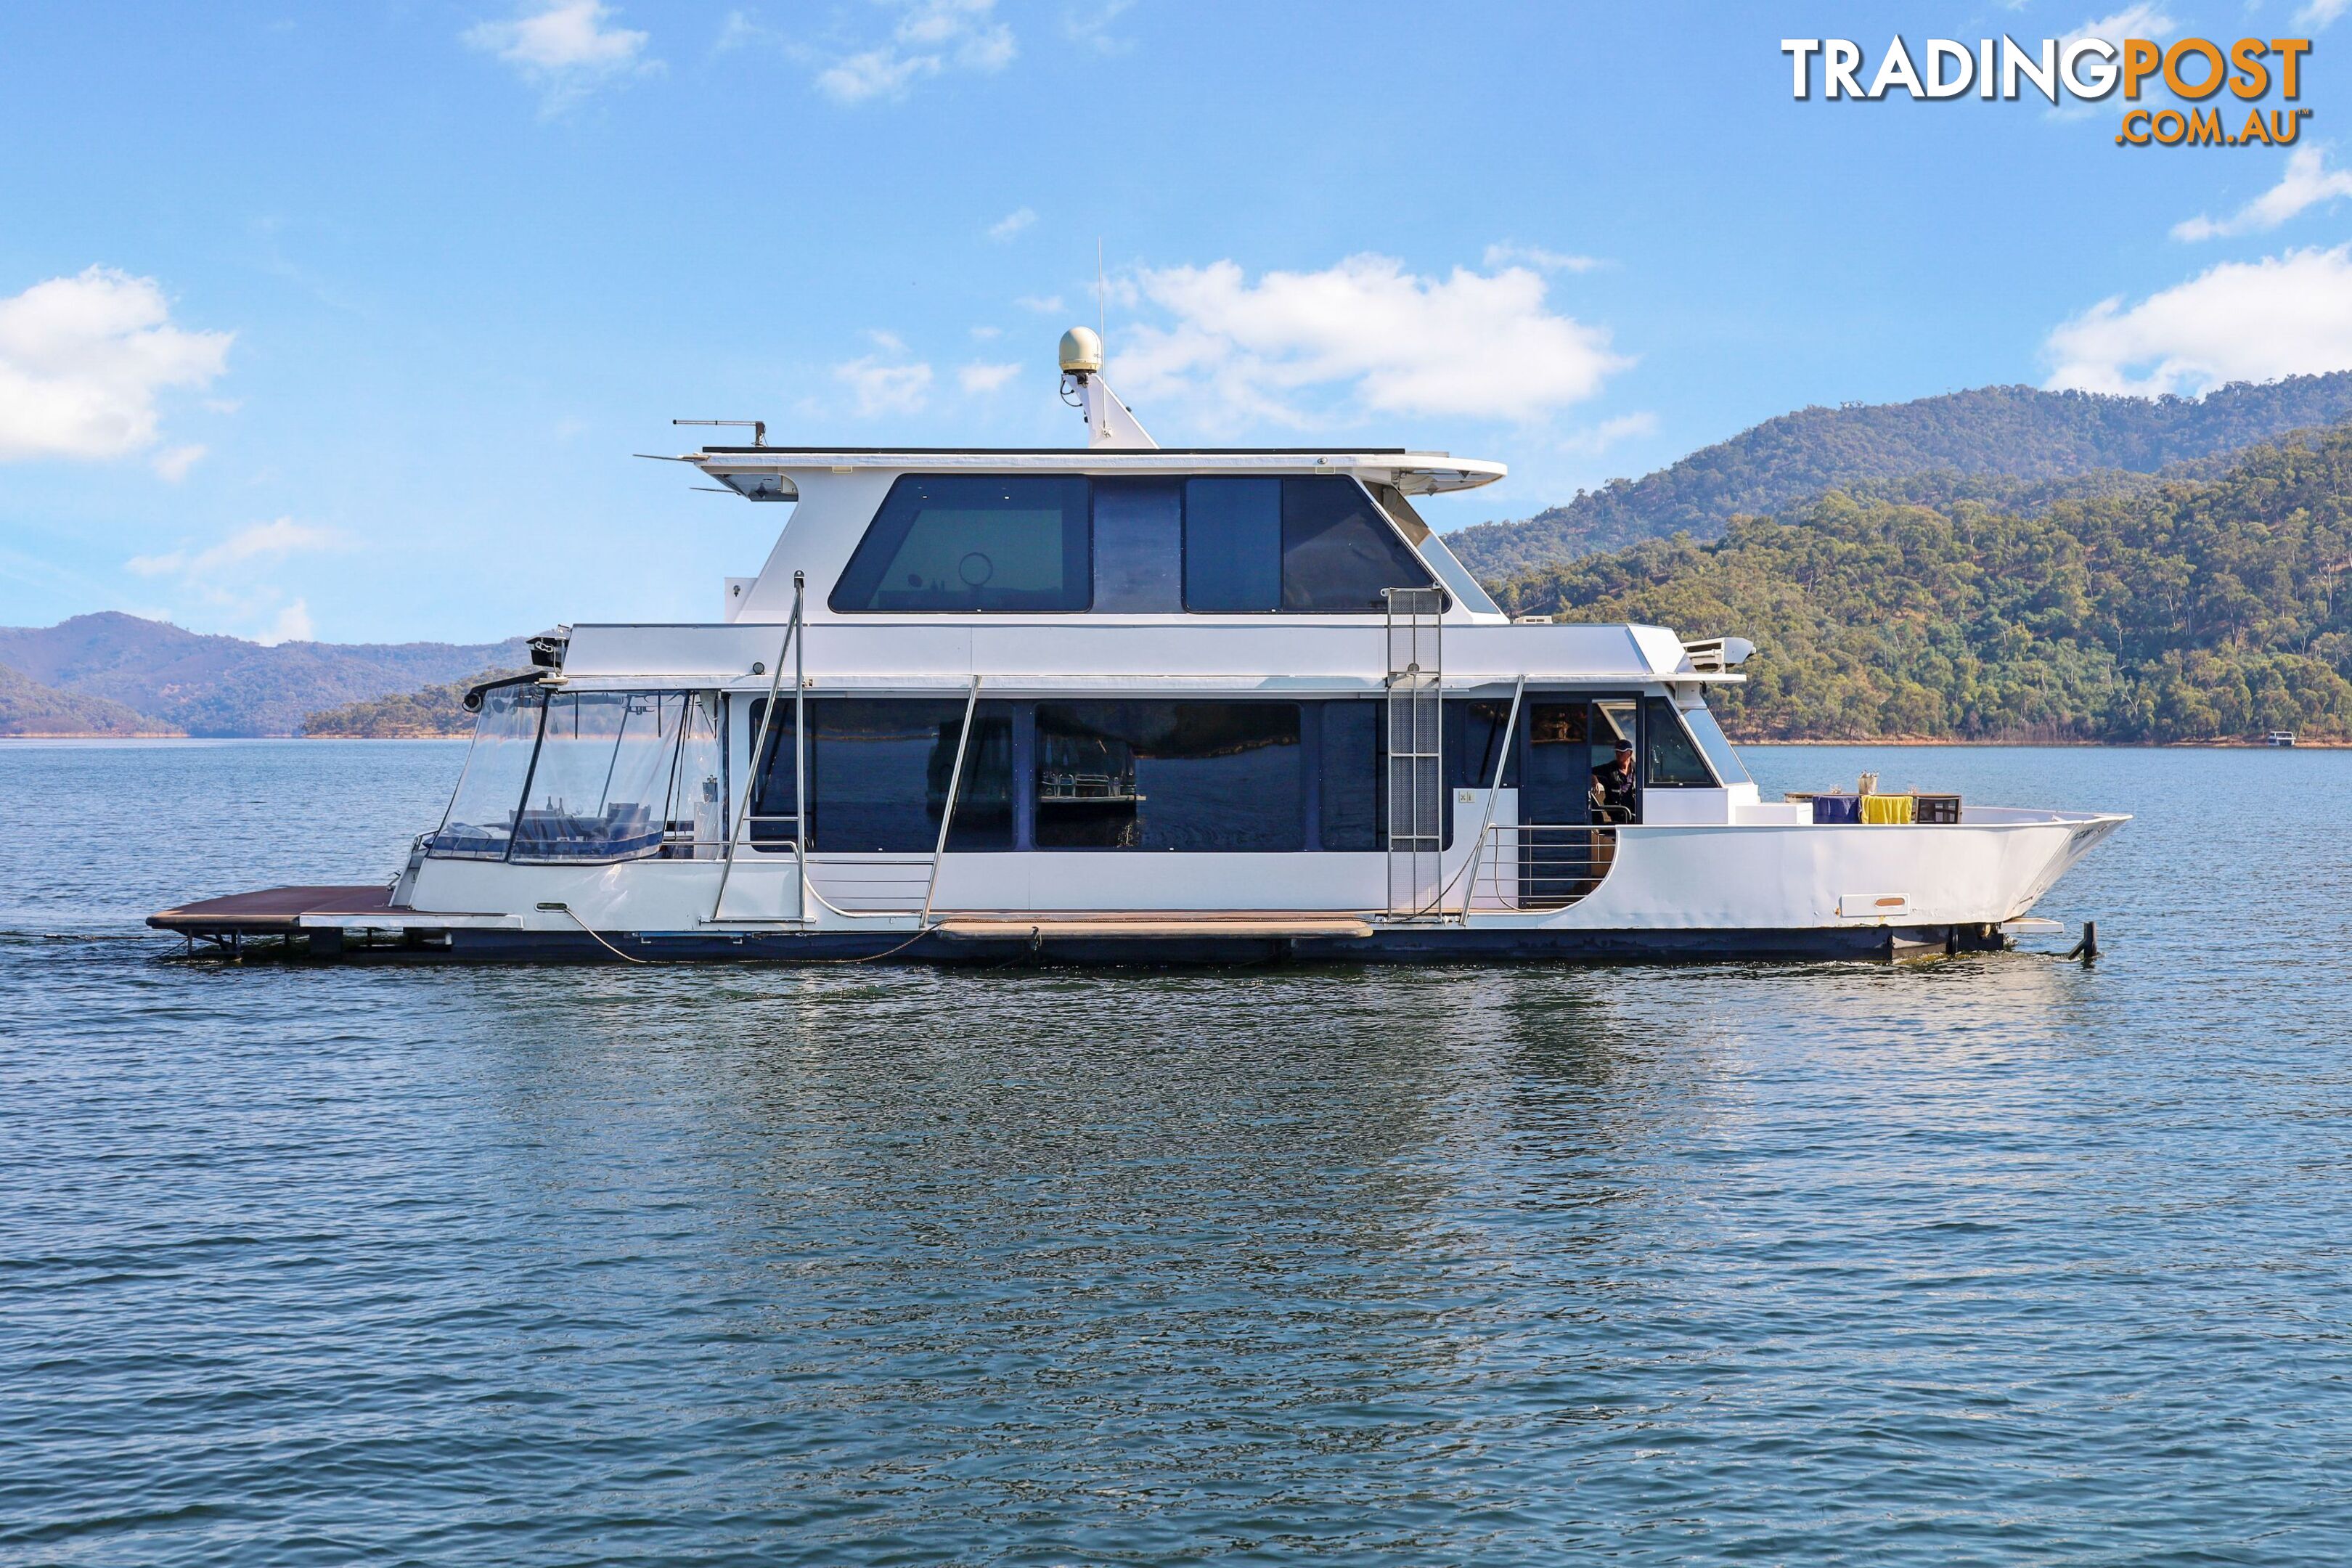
{"x": 1126, "y": 702}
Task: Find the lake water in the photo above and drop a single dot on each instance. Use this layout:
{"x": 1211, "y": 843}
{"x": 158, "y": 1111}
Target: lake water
{"x": 1996, "y": 1260}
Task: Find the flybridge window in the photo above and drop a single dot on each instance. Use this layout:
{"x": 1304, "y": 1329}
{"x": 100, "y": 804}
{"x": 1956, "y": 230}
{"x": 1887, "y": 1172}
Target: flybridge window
{"x": 958, "y": 541}
{"x": 1305, "y": 545}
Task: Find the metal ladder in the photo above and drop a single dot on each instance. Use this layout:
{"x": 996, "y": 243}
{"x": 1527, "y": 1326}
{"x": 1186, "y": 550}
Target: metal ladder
{"x": 1416, "y": 776}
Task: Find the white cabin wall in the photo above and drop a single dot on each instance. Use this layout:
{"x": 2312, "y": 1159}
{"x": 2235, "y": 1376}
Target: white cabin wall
{"x": 818, "y": 539}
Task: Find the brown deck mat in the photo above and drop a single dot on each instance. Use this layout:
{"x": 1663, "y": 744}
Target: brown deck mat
{"x": 272, "y": 909}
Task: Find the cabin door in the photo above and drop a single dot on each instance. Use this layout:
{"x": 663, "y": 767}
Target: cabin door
{"x": 1555, "y": 787}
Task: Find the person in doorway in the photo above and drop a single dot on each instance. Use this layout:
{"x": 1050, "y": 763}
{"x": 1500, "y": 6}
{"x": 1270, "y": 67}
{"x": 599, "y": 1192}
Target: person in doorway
{"x": 1616, "y": 793}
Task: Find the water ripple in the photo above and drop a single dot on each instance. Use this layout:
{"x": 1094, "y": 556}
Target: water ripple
{"x": 1993, "y": 1260}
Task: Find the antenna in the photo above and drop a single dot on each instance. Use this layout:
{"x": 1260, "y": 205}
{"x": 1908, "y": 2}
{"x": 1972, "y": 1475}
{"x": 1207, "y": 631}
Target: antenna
{"x": 1102, "y": 324}
{"x": 758, "y": 427}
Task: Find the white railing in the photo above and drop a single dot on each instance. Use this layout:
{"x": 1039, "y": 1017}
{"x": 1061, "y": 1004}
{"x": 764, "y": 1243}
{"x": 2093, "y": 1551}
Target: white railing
{"x": 1539, "y": 866}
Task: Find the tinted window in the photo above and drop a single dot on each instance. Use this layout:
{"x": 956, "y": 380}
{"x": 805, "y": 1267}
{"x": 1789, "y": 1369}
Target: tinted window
{"x": 1338, "y": 551}
{"x": 879, "y": 773}
{"x": 1310, "y": 545}
{"x": 1169, "y": 776}
{"x": 1670, "y": 760}
{"x": 961, "y": 541}
{"x": 1139, "y": 546}
{"x": 1349, "y": 774}
{"x": 1715, "y": 745}
{"x": 1473, "y": 737}
{"x": 1232, "y": 544}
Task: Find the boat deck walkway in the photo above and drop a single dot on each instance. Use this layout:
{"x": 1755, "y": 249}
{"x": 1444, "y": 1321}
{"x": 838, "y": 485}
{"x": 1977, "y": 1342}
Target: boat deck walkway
{"x": 273, "y": 911}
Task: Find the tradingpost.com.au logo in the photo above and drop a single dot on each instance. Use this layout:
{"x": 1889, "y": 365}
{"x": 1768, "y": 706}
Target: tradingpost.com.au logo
{"x": 2194, "y": 70}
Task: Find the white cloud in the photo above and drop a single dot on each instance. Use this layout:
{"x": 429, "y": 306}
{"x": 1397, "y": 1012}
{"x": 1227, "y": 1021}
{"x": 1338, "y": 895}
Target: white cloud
{"x": 292, "y": 625}
{"x": 1043, "y": 304}
{"x": 263, "y": 542}
{"x": 2306, "y": 183}
{"x": 741, "y": 29}
{"x": 174, "y": 464}
{"x": 2140, "y": 21}
{"x": 231, "y": 581}
{"x": 1592, "y": 443}
{"x": 2284, "y": 315}
{"x": 881, "y": 387}
{"x": 1012, "y": 223}
{"x": 980, "y": 379}
{"x": 2319, "y": 13}
{"x": 1543, "y": 260}
{"x": 563, "y": 47}
{"x": 1395, "y": 342}
{"x": 929, "y": 36}
{"x": 1090, "y": 25}
{"x": 81, "y": 362}
{"x": 986, "y": 334}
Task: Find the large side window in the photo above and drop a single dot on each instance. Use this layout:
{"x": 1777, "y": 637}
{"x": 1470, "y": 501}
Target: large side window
{"x": 1139, "y": 546}
{"x": 1194, "y": 776}
{"x": 974, "y": 541}
{"x": 1233, "y": 545}
{"x": 879, "y": 774}
{"x": 1349, "y": 769}
{"x": 1670, "y": 760}
{"x": 1306, "y": 545}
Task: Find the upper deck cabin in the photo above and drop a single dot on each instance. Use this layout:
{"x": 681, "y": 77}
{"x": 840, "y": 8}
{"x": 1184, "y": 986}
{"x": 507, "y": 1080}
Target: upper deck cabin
{"x": 1120, "y": 528}
{"x": 1204, "y": 566}
{"x": 1054, "y": 533}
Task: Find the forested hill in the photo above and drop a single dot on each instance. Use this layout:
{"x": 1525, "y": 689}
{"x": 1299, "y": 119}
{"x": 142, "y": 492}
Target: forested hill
{"x": 2019, "y": 432}
{"x": 2205, "y": 610}
{"x": 224, "y": 685}
{"x": 436, "y": 713}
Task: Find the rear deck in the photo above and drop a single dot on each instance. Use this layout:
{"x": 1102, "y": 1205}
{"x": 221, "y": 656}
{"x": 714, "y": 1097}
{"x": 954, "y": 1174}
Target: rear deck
{"x": 273, "y": 911}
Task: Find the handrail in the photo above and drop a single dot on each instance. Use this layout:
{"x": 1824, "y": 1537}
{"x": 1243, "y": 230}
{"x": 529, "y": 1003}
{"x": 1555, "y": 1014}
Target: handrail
{"x": 1573, "y": 871}
{"x": 947, "y": 808}
{"x": 759, "y": 748}
{"x": 1493, "y": 788}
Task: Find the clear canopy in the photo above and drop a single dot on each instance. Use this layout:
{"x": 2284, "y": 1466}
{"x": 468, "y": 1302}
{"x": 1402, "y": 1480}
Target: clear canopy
{"x": 601, "y": 787}
{"x": 589, "y": 776}
{"x": 479, "y": 824}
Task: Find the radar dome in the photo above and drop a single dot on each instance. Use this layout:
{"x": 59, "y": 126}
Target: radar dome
{"x": 1081, "y": 352}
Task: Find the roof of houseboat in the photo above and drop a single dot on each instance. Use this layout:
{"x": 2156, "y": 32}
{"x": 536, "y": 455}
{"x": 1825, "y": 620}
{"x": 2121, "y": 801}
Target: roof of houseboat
{"x": 1411, "y": 472}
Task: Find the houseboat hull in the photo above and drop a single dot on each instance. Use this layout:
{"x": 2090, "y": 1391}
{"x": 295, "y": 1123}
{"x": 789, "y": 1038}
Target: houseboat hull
{"x": 1672, "y": 894}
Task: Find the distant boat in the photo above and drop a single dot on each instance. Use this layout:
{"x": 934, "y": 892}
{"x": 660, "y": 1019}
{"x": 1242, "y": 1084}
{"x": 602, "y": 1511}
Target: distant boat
{"x": 2279, "y": 738}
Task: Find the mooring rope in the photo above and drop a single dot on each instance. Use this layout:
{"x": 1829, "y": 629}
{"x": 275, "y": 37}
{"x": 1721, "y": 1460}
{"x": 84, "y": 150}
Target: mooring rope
{"x": 630, "y": 958}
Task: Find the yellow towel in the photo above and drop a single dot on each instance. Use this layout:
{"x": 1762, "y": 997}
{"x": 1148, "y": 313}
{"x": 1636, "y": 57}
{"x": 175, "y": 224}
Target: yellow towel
{"x": 1900, "y": 809}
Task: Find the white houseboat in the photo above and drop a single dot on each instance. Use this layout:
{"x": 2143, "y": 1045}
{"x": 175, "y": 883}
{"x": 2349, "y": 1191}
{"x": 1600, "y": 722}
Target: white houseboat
{"x": 1127, "y": 702}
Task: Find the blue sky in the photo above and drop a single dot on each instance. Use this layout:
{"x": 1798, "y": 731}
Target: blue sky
{"x": 344, "y": 320}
